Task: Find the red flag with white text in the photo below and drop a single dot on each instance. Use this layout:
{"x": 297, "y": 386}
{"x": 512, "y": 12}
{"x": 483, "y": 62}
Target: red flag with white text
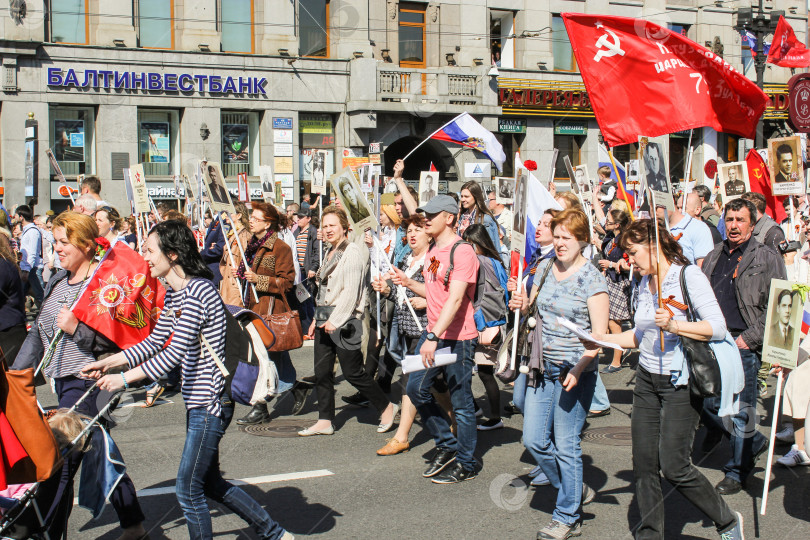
{"x": 122, "y": 301}
{"x": 643, "y": 79}
{"x": 760, "y": 179}
{"x": 786, "y": 49}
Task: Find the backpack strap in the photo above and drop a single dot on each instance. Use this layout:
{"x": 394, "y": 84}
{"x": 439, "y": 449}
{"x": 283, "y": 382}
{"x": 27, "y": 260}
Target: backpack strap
{"x": 452, "y": 254}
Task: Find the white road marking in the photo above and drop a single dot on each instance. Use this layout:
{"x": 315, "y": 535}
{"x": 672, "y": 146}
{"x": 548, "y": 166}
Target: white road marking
{"x": 241, "y": 482}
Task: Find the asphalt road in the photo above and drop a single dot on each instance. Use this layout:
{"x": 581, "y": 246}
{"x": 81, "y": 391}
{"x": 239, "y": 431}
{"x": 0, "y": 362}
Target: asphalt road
{"x": 337, "y": 487}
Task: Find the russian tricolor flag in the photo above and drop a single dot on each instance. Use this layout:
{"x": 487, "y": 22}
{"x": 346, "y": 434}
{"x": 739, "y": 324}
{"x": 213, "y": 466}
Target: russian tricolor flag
{"x": 806, "y": 318}
{"x": 538, "y": 201}
{"x": 466, "y": 131}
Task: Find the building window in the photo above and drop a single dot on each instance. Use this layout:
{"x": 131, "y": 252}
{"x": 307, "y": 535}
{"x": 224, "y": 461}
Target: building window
{"x": 157, "y": 142}
{"x": 624, "y": 153}
{"x": 71, "y": 139}
{"x": 501, "y": 38}
{"x": 682, "y": 29}
{"x": 69, "y": 22}
{"x": 561, "y": 46}
{"x": 240, "y": 142}
{"x": 317, "y": 143}
{"x": 313, "y": 27}
{"x": 236, "y": 25}
{"x": 155, "y": 24}
{"x": 412, "y": 35}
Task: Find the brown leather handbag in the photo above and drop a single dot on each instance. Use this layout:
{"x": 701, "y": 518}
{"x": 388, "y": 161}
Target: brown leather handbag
{"x": 286, "y": 326}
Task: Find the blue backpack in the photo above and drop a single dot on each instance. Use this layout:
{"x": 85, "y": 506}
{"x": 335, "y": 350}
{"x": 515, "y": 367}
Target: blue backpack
{"x": 491, "y": 299}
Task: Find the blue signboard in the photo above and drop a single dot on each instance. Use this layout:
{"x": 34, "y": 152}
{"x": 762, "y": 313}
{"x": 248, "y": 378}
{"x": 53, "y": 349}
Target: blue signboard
{"x": 282, "y": 123}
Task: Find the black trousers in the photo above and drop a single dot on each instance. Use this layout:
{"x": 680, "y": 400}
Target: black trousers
{"x": 11, "y": 339}
{"x": 345, "y": 344}
{"x": 663, "y": 428}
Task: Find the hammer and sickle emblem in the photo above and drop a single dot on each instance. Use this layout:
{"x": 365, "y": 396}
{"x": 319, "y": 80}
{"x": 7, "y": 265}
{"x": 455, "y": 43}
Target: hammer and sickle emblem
{"x": 613, "y": 47}
{"x": 758, "y": 173}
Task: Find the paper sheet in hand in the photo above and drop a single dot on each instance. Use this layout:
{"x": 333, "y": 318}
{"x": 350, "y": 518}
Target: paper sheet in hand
{"x": 413, "y": 362}
{"x": 581, "y": 333}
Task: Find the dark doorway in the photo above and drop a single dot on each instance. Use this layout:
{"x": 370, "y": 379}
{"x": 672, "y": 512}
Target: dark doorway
{"x": 431, "y": 152}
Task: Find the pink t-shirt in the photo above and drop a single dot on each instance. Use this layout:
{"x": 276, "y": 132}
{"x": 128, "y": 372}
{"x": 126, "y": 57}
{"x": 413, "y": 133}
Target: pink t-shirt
{"x": 465, "y": 268}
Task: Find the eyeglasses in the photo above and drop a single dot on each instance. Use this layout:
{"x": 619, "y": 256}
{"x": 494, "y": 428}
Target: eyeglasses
{"x": 254, "y": 218}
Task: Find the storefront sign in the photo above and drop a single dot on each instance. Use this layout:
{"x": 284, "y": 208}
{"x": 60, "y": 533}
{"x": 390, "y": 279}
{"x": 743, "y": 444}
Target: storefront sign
{"x": 283, "y": 165}
{"x": 282, "y": 123}
{"x": 564, "y": 127}
{"x": 779, "y": 102}
{"x": 542, "y": 98}
{"x": 316, "y": 124}
{"x": 283, "y": 135}
{"x": 511, "y": 125}
{"x": 157, "y": 82}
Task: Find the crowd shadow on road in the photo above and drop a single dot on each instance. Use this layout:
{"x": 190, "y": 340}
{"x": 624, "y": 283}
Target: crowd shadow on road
{"x": 287, "y": 505}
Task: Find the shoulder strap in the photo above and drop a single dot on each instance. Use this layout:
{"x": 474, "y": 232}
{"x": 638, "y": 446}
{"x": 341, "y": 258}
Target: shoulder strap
{"x": 544, "y": 276}
{"x": 690, "y": 315}
{"x": 452, "y": 254}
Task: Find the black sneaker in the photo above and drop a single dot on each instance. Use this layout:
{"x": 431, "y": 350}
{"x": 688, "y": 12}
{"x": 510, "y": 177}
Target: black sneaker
{"x": 442, "y": 459}
{"x": 454, "y": 474}
{"x": 357, "y": 399}
{"x": 512, "y": 409}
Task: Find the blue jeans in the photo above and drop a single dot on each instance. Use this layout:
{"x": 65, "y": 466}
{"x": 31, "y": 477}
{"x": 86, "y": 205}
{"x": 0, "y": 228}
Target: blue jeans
{"x": 199, "y": 476}
{"x": 459, "y": 380}
{"x": 396, "y": 342}
{"x": 742, "y": 428}
{"x": 552, "y": 424}
{"x": 600, "y": 398}
{"x": 35, "y": 286}
{"x": 286, "y": 370}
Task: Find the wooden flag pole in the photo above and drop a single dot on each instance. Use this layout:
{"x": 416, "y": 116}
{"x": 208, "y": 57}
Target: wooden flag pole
{"x": 619, "y": 181}
{"x": 242, "y": 253}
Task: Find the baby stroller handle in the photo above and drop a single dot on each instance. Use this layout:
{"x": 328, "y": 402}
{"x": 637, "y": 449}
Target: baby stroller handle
{"x": 89, "y": 390}
{"x": 92, "y": 423}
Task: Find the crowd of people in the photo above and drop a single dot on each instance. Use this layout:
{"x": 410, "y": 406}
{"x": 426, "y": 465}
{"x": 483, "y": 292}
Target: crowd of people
{"x": 425, "y": 285}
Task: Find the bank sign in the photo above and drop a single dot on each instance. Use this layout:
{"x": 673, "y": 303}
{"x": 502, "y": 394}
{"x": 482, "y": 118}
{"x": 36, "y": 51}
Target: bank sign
{"x": 156, "y": 82}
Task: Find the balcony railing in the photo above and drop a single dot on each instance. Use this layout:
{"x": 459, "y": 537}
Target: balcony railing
{"x": 434, "y": 85}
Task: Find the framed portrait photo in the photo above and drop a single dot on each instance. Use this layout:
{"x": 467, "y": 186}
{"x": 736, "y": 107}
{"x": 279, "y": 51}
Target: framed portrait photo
{"x": 218, "y": 197}
{"x": 504, "y": 189}
{"x": 733, "y": 180}
{"x": 428, "y": 186}
{"x": 353, "y": 201}
{"x": 785, "y": 164}
{"x": 783, "y": 323}
{"x": 518, "y": 240}
{"x": 583, "y": 180}
{"x": 654, "y": 170}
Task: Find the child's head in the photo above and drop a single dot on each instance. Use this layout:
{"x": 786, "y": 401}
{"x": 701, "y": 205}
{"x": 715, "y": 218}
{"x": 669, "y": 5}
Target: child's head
{"x": 66, "y": 426}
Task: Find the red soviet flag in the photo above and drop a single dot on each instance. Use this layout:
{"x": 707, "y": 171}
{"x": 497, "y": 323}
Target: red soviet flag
{"x": 786, "y": 50}
{"x": 122, "y": 300}
{"x": 643, "y": 79}
{"x": 760, "y": 179}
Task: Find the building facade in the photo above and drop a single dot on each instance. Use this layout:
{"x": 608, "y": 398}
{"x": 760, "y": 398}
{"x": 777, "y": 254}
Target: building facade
{"x": 255, "y": 83}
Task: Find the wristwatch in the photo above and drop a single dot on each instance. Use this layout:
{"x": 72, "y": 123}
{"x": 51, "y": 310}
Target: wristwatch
{"x": 431, "y": 337}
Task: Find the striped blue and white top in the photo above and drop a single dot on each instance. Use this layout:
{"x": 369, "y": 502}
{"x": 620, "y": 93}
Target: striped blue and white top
{"x": 176, "y": 341}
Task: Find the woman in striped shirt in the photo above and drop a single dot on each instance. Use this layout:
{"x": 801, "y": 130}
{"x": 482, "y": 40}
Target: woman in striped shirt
{"x": 192, "y": 313}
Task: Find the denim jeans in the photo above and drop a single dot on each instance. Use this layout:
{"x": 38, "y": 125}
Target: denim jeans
{"x": 199, "y": 477}
{"x": 35, "y": 286}
{"x": 663, "y": 430}
{"x": 600, "y": 400}
{"x": 742, "y": 428}
{"x": 286, "y": 370}
{"x": 552, "y": 426}
{"x": 459, "y": 380}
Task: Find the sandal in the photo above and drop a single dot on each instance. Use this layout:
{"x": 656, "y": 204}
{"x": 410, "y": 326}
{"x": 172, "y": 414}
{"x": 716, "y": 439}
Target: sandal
{"x": 152, "y": 394}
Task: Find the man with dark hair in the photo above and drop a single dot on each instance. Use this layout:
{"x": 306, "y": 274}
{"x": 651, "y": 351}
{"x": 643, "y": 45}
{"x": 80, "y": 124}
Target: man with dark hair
{"x": 782, "y": 332}
{"x": 654, "y": 168}
{"x": 91, "y": 185}
{"x": 740, "y": 270}
{"x": 707, "y": 213}
{"x": 784, "y": 164}
{"x": 31, "y": 264}
{"x": 766, "y": 231}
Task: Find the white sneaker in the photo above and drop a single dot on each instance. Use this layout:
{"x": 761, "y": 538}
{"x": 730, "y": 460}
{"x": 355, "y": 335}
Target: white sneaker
{"x": 786, "y": 435}
{"x": 794, "y": 457}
